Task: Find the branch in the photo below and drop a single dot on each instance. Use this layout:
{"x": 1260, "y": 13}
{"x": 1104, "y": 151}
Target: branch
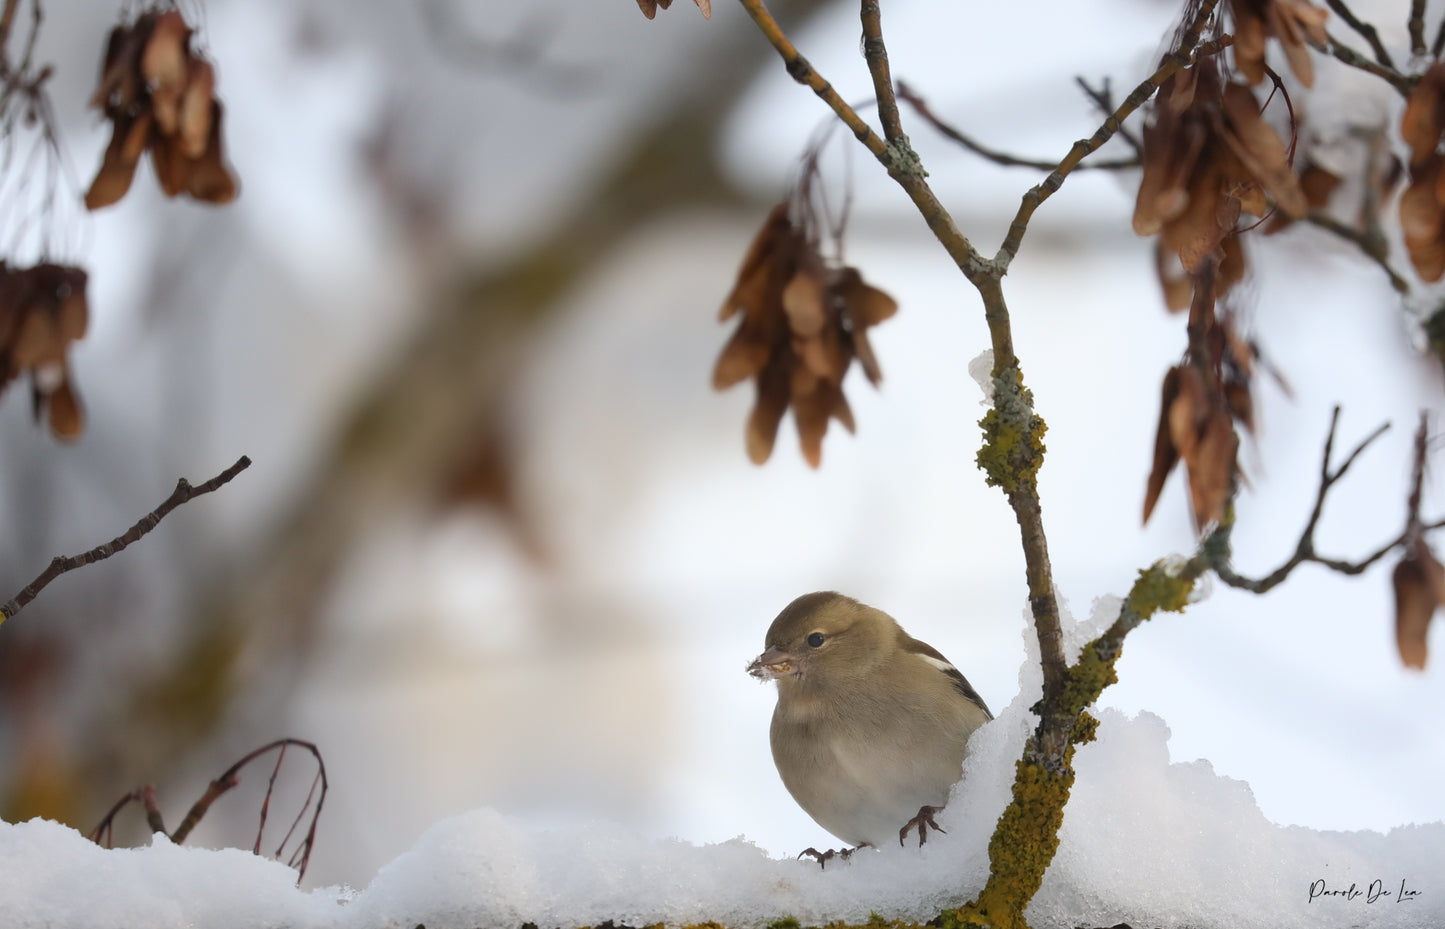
{"x": 1374, "y": 246}
{"x": 920, "y": 106}
{"x": 1354, "y": 59}
{"x": 1182, "y": 56}
{"x": 103, "y": 833}
{"x": 60, "y": 565}
{"x": 1104, "y": 100}
{"x": 1417, "y": 28}
{"x": 1366, "y": 31}
{"x": 1305, "y": 549}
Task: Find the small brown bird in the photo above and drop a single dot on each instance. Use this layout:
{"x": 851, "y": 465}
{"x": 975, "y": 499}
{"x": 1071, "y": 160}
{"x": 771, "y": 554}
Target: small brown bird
{"x": 871, "y": 724}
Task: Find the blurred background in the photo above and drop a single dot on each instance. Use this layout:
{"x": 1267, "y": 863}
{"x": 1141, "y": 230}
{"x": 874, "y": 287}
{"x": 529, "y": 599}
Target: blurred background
{"x": 501, "y": 545}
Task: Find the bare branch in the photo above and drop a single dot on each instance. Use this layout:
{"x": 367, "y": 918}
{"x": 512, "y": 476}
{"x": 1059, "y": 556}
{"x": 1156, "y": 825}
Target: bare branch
{"x": 1104, "y": 99}
{"x": 1184, "y": 55}
{"x": 920, "y": 106}
{"x": 1305, "y": 549}
{"x": 1354, "y": 59}
{"x": 1374, "y": 246}
{"x": 1366, "y": 31}
{"x": 1417, "y": 28}
{"x": 60, "y": 565}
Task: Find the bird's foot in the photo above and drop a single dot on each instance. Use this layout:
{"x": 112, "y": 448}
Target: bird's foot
{"x": 824, "y": 857}
{"x": 923, "y": 822}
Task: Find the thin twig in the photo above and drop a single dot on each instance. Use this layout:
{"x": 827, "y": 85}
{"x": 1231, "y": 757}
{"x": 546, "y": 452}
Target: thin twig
{"x": 1374, "y": 247}
{"x": 60, "y": 565}
{"x": 876, "y": 54}
{"x": 1343, "y": 53}
{"x": 1184, "y": 55}
{"x": 1305, "y": 548}
{"x": 300, "y": 857}
{"x": 920, "y": 106}
{"x": 1366, "y": 31}
{"x": 1104, "y": 100}
{"x": 1417, "y": 28}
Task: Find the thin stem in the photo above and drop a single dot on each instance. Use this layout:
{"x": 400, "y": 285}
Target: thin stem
{"x": 920, "y": 106}
{"x": 1185, "y": 54}
{"x": 876, "y": 54}
{"x": 1373, "y": 246}
{"x": 1305, "y": 548}
{"x": 1417, "y": 28}
{"x": 1354, "y": 59}
{"x": 1366, "y": 31}
{"x": 60, "y": 565}
{"x": 1104, "y": 100}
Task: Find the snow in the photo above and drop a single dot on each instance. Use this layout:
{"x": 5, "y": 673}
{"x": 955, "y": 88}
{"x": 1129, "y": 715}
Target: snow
{"x": 1144, "y": 841}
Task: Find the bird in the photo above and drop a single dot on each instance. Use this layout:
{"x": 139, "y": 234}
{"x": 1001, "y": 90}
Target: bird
{"x": 871, "y": 725}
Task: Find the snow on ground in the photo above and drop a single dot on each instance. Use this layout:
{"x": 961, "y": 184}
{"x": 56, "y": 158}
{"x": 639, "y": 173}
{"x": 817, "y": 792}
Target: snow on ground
{"x": 1145, "y": 842}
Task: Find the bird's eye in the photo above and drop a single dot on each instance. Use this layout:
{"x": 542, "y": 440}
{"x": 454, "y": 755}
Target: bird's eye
{"x": 815, "y": 640}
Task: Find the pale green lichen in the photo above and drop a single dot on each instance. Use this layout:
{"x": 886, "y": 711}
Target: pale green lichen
{"x": 1013, "y": 436}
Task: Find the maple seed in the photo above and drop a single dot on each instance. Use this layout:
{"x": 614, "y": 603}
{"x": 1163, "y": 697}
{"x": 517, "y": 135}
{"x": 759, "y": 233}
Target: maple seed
{"x": 1422, "y": 205}
{"x": 1295, "y": 23}
{"x": 43, "y": 310}
{"x": 159, "y": 95}
{"x": 1419, "y": 583}
{"x": 649, "y": 7}
{"x": 803, "y": 322}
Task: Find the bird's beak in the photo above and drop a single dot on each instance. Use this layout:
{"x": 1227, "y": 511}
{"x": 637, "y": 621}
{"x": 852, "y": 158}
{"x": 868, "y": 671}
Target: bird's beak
{"x": 773, "y": 664}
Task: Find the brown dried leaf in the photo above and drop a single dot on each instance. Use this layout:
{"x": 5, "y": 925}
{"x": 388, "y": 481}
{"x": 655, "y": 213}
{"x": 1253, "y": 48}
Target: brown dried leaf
{"x": 1421, "y": 222}
{"x": 194, "y": 118}
{"x": 121, "y": 85}
{"x": 1172, "y": 149}
{"x": 1415, "y": 604}
{"x": 173, "y": 169}
{"x": 804, "y": 298}
{"x": 1178, "y": 288}
{"x": 1231, "y": 265}
{"x": 1257, "y": 145}
{"x": 1424, "y": 119}
{"x": 649, "y": 7}
{"x": 1197, "y": 232}
{"x": 743, "y": 357}
{"x": 66, "y": 419}
{"x": 208, "y": 179}
{"x": 866, "y": 305}
{"x": 1189, "y": 412}
{"x": 1211, "y": 469}
{"x": 1165, "y": 455}
{"x": 1240, "y": 403}
{"x": 813, "y": 403}
{"x": 767, "y": 413}
{"x": 117, "y": 166}
{"x": 1249, "y": 43}
{"x": 776, "y": 234}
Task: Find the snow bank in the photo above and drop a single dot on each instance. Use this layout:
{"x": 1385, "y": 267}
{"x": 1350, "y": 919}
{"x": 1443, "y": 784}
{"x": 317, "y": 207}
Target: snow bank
{"x": 1145, "y": 841}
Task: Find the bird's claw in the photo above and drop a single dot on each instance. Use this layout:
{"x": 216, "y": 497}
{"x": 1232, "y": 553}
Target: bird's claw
{"x": 923, "y": 821}
{"x": 824, "y": 857}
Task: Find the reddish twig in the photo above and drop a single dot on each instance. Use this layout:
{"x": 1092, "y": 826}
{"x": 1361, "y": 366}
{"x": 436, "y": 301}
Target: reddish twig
{"x": 300, "y": 856}
{"x": 60, "y": 565}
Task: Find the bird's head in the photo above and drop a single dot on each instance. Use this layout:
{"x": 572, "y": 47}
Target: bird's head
{"x": 824, "y": 638}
